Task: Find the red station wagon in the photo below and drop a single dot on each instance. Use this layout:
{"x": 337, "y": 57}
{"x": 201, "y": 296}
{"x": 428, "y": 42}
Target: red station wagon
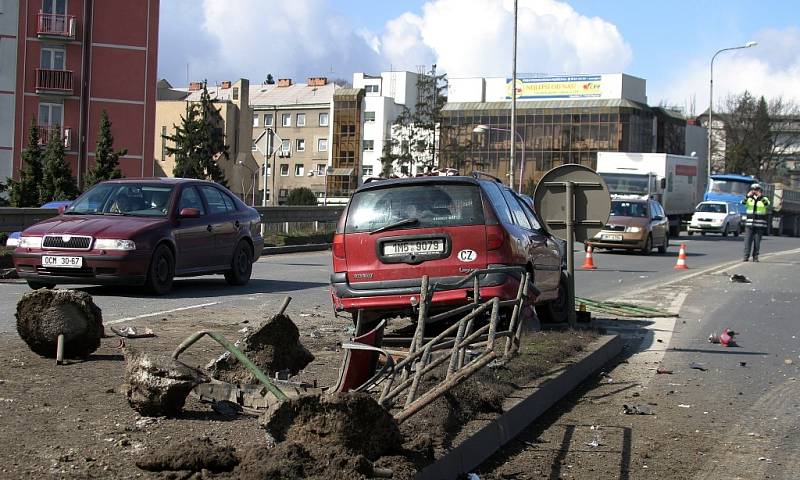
{"x": 393, "y": 232}
{"x": 143, "y": 232}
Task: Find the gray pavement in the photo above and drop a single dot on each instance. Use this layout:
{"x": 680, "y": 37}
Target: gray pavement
{"x": 305, "y": 277}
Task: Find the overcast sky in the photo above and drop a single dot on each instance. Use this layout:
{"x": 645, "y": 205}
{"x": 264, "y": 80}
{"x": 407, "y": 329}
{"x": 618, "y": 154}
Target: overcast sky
{"x": 668, "y": 43}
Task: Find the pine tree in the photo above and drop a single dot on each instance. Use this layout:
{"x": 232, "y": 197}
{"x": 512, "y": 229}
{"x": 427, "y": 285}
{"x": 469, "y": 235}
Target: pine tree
{"x": 199, "y": 142}
{"x": 57, "y": 180}
{"x": 106, "y": 159}
{"x": 25, "y": 191}
{"x": 270, "y": 80}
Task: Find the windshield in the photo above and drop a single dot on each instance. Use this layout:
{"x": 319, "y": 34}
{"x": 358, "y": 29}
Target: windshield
{"x": 712, "y": 208}
{"x": 729, "y": 186}
{"x": 628, "y": 209}
{"x": 137, "y": 199}
{"x": 623, "y": 183}
{"x": 431, "y": 206}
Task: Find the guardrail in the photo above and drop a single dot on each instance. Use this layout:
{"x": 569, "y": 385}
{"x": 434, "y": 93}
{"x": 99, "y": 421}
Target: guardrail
{"x": 15, "y": 219}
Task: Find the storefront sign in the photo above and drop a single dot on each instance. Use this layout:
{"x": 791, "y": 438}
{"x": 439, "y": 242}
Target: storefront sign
{"x": 572, "y": 86}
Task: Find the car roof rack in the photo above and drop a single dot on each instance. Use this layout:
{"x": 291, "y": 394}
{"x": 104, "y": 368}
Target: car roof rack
{"x": 374, "y": 179}
{"x": 476, "y": 174}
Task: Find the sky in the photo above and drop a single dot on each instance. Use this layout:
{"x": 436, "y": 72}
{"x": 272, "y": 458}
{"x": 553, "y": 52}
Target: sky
{"x": 670, "y": 44}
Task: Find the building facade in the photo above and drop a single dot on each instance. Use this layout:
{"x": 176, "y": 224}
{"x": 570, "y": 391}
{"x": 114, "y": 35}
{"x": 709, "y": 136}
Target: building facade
{"x": 74, "y": 59}
{"x": 291, "y": 135}
{"x": 9, "y": 22}
{"x": 232, "y": 101}
{"x": 346, "y": 153}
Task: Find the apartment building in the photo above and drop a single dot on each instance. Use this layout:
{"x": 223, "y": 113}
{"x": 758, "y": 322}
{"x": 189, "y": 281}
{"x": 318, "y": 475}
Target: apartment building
{"x": 346, "y": 148}
{"x": 231, "y": 99}
{"x": 292, "y": 131}
{"x": 75, "y": 59}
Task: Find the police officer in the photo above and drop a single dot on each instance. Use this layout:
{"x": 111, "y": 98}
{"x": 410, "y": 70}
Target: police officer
{"x": 756, "y": 223}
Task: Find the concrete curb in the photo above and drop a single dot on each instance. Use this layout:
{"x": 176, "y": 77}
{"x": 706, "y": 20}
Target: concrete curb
{"x": 313, "y": 247}
{"x": 521, "y": 412}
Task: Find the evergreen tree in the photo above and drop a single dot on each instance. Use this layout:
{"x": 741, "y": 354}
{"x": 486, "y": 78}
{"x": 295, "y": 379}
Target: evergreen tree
{"x": 57, "y": 180}
{"x": 270, "y": 80}
{"x": 301, "y": 196}
{"x": 25, "y": 191}
{"x": 199, "y": 142}
{"x": 106, "y": 159}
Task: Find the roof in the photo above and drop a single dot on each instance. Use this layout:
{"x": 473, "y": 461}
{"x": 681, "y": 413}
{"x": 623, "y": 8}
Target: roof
{"x": 295, "y": 94}
{"x": 544, "y": 104}
{"x": 169, "y": 180}
{"x": 352, "y": 92}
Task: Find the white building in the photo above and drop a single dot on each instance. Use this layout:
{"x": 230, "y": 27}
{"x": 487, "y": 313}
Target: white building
{"x": 9, "y": 18}
{"x": 385, "y": 97}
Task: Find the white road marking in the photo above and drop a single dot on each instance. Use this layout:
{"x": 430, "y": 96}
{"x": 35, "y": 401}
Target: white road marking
{"x": 164, "y": 312}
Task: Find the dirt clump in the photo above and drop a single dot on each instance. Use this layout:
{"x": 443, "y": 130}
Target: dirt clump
{"x": 352, "y": 421}
{"x": 273, "y": 346}
{"x": 43, "y": 315}
{"x": 295, "y": 461}
{"x": 192, "y": 455}
{"x": 157, "y": 385}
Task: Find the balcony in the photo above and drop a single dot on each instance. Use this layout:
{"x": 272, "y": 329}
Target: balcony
{"x": 46, "y": 132}
{"x": 54, "y": 81}
{"x": 54, "y": 26}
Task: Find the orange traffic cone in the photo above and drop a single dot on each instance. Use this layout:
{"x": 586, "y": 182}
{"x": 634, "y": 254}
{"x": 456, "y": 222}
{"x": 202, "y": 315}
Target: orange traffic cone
{"x": 681, "y": 265}
{"x": 588, "y": 264}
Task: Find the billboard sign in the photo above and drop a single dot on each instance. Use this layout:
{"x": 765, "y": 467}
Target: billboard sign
{"x": 567, "y": 86}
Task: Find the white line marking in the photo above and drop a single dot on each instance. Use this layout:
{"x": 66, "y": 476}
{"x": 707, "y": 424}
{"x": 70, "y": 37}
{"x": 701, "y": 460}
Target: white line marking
{"x": 128, "y": 319}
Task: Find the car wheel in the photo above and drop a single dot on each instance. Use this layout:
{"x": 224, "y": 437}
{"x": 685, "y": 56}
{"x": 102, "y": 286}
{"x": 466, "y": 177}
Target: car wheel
{"x": 557, "y": 310}
{"x": 703, "y": 233}
{"x": 736, "y": 232}
{"x": 241, "y": 265}
{"x": 725, "y": 230}
{"x": 690, "y": 233}
{"x": 664, "y": 246}
{"x": 37, "y": 285}
{"x": 648, "y": 245}
{"x": 162, "y": 271}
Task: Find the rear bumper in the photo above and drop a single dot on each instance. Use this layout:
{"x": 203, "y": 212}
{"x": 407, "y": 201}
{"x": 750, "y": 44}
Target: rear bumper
{"x": 124, "y": 268}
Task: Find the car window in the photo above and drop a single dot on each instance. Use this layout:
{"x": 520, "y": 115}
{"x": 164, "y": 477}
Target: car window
{"x": 128, "y": 198}
{"x": 628, "y": 209}
{"x": 534, "y": 221}
{"x": 499, "y": 203}
{"x": 228, "y": 202}
{"x": 516, "y": 210}
{"x": 215, "y": 199}
{"x": 191, "y": 199}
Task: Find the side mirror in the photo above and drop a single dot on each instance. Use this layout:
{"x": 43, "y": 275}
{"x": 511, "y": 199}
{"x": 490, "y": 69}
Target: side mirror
{"x": 62, "y": 209}
{"x": 189, "y": 213}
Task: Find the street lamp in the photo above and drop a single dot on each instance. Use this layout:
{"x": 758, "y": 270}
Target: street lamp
{"x": 253, "y": 185}
{"x": 481, "y": 129}
{"x": 711, "y": 97}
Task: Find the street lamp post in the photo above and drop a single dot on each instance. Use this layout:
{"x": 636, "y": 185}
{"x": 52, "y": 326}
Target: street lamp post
{"x": 485, "y": 128}
{"x": 253, "y": 184}
{"x": 711, "y": 97}
{"x": 514, "y": 108}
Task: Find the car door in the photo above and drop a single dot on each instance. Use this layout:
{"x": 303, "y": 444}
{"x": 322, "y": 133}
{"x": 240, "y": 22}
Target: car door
{"x": 545, "y": 254}
{"x": 659, "y": 223}
{"x": 194, "y": 240}
{"x": 224, "y": 223}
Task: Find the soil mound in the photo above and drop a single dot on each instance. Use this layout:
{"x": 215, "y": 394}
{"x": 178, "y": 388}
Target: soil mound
{"x": 295, "y": 461}
{"x": 157, "y": 385}
{"x": 273, "y": 346}
{"x": 352, "y": 421}
{"x": 193, "y": 455}
{"x": 42, "y": 315}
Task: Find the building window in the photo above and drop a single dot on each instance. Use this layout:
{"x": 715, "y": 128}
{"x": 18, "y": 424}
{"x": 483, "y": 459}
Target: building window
{"x": 267, "y": 119}
{"x": 320, "y": 194}
{"x": 371, "y": 88}
{"x": 163, "y": 142}
{"x": 299, "y": 171}
{"x": 255, "y": 120}
{"x": 322, "y": 145}
{"x": 301, "y": 119}
{"x": 320, "y": 170}
{"x": 51, "y": 114}
{"x": 53, "y": 58}
{"x": 283, "y": 192}
{"x": 369, "y": 145}
{"x": 301, "y": 145}
{"x": 58, "y": 7}
{"x": 369, "y": 116}
{"x": 236, "y": 93}
{"x": 366, "y": 171}
{"x": 286, "y": 147}
{"x": 284, "y": 169}
{"x": 323, "y": 119}
{"x": 286, "y": 119}
{"x": 254, "y": 148}
{"x": 347, "y": 130}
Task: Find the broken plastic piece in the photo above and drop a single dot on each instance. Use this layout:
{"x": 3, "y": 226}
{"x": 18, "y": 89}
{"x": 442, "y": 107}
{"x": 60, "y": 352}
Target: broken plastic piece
{"x": 127, "y": 331}
{"x": 663, "y": 371}
{"x": 737, "y": 278}
{"x": 697, "y": 366}
{"x": 636, "y": 410}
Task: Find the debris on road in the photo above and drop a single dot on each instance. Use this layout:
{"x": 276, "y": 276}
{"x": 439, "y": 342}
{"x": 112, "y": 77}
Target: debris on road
{"x": 698, "y": 366}
{"x": 737, "y": 278}
{"x": 683, "y": 405}
{"x": 788, "y": 361}
{"x": 157, "y": 385}
{"x": 127, "y": 331}
{"x": 725, "y": 338}
{"x": 663, "y": 371}
{"x": 193, "y": 455}
{"x": 43, "y": 315}
{"x": 637, "y": 410}
{"x": 742, "y": 364}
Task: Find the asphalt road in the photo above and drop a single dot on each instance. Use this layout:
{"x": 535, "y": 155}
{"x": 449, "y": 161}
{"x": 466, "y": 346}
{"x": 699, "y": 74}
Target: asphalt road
{"x": 305, "y": 277}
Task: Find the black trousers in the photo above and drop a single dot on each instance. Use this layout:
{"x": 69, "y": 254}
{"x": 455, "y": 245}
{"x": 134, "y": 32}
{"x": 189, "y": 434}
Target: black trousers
{"x": 752, "y": 240}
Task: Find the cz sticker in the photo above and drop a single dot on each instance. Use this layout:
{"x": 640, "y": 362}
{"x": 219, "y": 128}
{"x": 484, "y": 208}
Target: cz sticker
{"x": 467, "y": 255}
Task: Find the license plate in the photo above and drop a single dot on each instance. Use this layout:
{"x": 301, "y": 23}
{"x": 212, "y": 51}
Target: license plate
{"x": 413, "y": 247}
{"x": 610, "y": 237}
{"x": 62, "y": 262}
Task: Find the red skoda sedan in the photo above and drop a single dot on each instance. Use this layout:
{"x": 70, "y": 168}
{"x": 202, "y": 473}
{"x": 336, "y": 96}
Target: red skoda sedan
{"x": 143, "y": 232}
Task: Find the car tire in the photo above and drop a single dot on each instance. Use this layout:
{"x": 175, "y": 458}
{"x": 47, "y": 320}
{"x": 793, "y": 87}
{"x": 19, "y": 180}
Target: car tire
{"x": 725, "y": 230}
{"x": 664, "y": 246}
{"x": 162, "y": 271}
{"x": 34, "y": 285}
{"x": 648, "y": 245}
{"x": 703, "y": 233}
{"x": 556, "y": 311}
{"x": 241, "y": 265}
{"x": 736, "y": 232}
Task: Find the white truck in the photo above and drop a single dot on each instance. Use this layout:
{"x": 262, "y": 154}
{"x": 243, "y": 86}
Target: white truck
{"x": 673, "y": 180}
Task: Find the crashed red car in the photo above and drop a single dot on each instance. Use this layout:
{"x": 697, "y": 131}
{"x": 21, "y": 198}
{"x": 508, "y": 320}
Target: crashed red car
{"x": 143, "y": 232}
{"x": 393, "y": 232}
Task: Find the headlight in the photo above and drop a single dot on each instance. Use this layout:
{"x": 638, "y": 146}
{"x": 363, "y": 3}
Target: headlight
{"x": 633, "y": 229}
{"x": 108, "y": 244}
{"x": 12, "y": 242}
{"x": 30, "y": 242}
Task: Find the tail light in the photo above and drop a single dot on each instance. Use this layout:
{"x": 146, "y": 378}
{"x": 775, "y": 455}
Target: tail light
{"x": 495, "y": 237}
{"x": 338, "y": 246}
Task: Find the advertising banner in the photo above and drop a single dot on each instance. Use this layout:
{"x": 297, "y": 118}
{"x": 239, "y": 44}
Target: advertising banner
{"x": 568, "y": 86}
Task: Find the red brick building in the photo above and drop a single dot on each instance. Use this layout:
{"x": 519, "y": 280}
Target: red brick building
{"x": 76, "y": 58}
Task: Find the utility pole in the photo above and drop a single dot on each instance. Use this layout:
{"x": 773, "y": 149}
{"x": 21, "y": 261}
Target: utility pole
{"x": 513, "y": 104}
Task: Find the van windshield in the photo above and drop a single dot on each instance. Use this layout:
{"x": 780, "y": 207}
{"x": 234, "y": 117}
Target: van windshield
{"x": 430, "y": 204}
